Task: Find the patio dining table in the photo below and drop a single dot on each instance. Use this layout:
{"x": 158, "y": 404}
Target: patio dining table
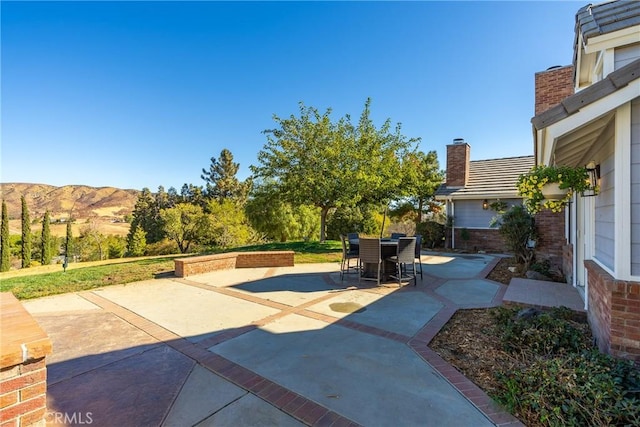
{"x": 388, "y": 248}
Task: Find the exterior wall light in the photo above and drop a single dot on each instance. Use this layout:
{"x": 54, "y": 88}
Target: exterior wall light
{"x": 593, "y": 170}
{"x": 485, "y": 204}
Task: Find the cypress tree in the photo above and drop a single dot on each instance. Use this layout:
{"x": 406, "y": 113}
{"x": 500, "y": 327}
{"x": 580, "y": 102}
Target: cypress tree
{"x": 137, "y": 242}
{"x": 5, "y": 249}
{"x": 46, "y": 241}
{"x": 26, "y": 235}
{"x": 68, "y": 244}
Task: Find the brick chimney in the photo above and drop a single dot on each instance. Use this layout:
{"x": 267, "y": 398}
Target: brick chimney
{"x": 458, "y": 163}
{"x": 552, "y": 86}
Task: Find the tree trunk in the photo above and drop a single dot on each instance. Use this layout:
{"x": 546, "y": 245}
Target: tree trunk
{"x": 323, "y": 222}
{"x": 419, "y": 218}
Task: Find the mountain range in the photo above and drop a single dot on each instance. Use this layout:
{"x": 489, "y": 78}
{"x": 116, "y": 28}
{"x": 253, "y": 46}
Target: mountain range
{"x": 77, "y": 201}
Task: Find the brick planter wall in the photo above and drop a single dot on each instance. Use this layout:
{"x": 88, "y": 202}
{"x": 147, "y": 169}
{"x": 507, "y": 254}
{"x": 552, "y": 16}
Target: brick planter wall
{"x": 264, "y": 259}
{"x": 23, "y": 369}
{"x": 614, "y": 313}
{"x": 480, "y": 240}
{"x": 203, "y": 264}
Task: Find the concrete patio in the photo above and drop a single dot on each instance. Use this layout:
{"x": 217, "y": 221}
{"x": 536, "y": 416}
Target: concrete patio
{"x": 266, "y": 346}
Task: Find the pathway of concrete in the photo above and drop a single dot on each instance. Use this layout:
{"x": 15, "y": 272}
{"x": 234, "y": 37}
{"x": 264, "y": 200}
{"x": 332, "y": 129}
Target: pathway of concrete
{"x": 258, "y": 347}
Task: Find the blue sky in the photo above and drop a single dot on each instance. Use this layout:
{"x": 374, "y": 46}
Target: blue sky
{"x": 142, "y": 94}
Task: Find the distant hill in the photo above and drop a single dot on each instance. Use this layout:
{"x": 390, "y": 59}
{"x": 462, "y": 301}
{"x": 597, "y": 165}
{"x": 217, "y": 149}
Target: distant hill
{"x": 80, "y": 201}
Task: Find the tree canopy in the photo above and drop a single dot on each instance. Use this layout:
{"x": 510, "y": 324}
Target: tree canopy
{"x": 423, "y": 176}
{"x": 185, "y": 224}
{"x": 221, "y": 180}
{"x": 328, "y": 164}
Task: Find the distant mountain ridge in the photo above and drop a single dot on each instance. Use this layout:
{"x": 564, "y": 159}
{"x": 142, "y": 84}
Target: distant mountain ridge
{"x": 79, "y": 201}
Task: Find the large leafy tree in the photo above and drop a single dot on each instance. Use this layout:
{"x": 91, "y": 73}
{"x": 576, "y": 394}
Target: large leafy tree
{"x": 227, "y": 224}
{"x": 221, "y": 180}
{"x": 275, "y": 218}
{"x": 26, "y": 234}
{"x": 329, "y": 164}
{"x": 185, "y": 224}
{"x": 5, "y": 248}
{"x": 423, "y": 176}
{"x": 46, "y": 253}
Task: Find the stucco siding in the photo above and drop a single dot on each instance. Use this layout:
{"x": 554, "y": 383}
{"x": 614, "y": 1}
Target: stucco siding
{"x": 605, "y": 215}
{"x": 626, "y": 55}
{"x": 635, "y": 187}
{"x": 469, "y": 213}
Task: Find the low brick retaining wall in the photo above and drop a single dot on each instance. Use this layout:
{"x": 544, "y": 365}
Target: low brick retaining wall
{"x": 23, "y": 369}
{"x": 203, "y": 264}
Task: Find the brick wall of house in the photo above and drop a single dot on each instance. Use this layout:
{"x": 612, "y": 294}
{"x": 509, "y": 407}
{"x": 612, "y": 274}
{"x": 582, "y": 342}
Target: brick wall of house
{"x": 480, "y": 240}
{"x": 551, "y": 241}
{"x": 552, "y": 86}
{"x": 614, "y": 313}
{"x": 203, "y": 264}
{"x": 23, "y": 368}
{"x": 458, "y": 156}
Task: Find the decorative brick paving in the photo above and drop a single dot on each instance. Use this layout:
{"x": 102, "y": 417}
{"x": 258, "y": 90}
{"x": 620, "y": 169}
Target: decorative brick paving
{"x": 303, "y": 409}
{"x": 292, "y": 403}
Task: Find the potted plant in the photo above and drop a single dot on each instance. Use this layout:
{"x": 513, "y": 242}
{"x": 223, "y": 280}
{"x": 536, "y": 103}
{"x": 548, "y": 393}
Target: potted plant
{"x": 552, "y": 187}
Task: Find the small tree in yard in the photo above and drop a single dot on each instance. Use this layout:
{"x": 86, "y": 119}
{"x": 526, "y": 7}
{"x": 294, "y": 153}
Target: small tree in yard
{"x": 26, "y": 235}
{"x": 136, "y": 241}
{"x": 5, "y": 249}
{"x": 45, "y": 242}
{"x": 68, "y": 243}
{"x": 185, "y": 224}
{"x": 517, "y": 227}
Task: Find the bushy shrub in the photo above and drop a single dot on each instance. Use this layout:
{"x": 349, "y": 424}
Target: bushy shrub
{"x": 544, "y": 333}
{"x": 432, "y": 233}
{"x": 579, "y": 389}
{"x": 569, "y": 383}
{"x": 517, "y": 227}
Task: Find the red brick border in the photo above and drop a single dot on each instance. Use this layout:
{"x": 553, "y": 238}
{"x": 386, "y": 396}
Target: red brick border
{"x": 291, "y": 402}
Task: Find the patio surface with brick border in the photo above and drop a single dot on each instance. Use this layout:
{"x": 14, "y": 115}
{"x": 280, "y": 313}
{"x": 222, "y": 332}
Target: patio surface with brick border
{"x": 266, "y": 346}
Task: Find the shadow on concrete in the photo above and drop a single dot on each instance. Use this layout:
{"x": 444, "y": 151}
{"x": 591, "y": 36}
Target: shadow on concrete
{"x": 357, "y": 364}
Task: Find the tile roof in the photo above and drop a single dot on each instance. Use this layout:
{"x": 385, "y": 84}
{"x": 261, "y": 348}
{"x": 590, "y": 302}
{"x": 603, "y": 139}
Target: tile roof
{"x": 495, "y": 178}
{"x": 598, "y": 19}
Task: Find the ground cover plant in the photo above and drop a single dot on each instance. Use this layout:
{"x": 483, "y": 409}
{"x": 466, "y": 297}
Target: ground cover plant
{"x": 541, "y": 367}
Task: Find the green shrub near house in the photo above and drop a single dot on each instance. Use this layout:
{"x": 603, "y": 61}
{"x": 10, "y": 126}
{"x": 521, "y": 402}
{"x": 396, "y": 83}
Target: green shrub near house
{"x": 570, "y": 383}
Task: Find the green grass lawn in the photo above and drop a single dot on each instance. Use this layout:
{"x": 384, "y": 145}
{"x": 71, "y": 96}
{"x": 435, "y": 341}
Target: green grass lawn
{"x": 94, "y": 276}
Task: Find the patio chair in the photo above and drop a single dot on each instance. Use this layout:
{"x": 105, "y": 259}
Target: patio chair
{"x": 353, "y": 246}
{"x": 371, "y": 256}
{"x": 395, "y": 236}
{"x": 418, "y": 249}
{"x": 347, "y": 256}
{"x": 406, "y": 255}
